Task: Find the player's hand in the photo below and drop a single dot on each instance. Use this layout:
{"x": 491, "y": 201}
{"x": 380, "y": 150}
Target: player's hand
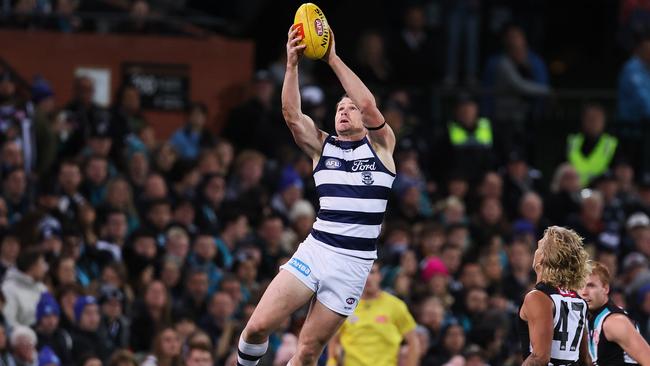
{"x": 294, "y": 50}
{"x": 330, "y": 55}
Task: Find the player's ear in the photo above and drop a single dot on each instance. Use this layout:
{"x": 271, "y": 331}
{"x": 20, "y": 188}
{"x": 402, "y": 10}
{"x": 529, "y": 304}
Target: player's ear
{"x": 606, "y": 287}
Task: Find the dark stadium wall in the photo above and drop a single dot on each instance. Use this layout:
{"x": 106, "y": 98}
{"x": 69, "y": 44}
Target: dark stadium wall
{"x": 219, "y": 68}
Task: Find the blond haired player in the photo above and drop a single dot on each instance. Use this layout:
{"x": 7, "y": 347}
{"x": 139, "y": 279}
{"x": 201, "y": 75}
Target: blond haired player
{"x": 553, "y": 318}
{"x": 353, "y": 172}
{"x": 613, "y": 338}
{"x": 372, "y": 335}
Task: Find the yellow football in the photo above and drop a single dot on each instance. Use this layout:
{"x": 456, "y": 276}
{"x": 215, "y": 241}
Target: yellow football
{"x": 313, "y": 28}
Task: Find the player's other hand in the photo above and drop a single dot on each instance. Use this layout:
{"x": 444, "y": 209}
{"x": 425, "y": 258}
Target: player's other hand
{"x": 294, "y": 49}
{"x": 330, "y": 55}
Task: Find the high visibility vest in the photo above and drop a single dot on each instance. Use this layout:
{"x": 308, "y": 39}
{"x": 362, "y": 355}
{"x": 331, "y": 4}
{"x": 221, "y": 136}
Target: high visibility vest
{"x": 589, "y": 167}
{"x": 482, "y": 135}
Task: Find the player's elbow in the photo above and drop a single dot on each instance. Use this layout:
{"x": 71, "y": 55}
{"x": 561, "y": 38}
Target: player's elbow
{"x": 291, "y": 114}
{"x": 367, "y": 104}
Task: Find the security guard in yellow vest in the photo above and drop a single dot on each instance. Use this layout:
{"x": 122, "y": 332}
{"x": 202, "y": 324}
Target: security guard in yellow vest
{"x": 467, "y": 145}
{"x": 591, "y": 151}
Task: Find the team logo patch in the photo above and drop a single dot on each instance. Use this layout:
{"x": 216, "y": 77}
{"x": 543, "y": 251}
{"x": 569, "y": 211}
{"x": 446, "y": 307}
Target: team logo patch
{"x": 350, "y": 301}
{"x": 332, "y": 163}
{"x": 301, "y": 266}
{"x": 367, "y": 179}
{"x": 319, "y": 27}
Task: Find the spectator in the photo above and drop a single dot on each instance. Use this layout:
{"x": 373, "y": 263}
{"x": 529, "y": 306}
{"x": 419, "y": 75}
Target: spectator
{"x": 151, "y": 314}
{"x": 127, "y": 117}
{"x": 413, "y": 48}
{"x": 44, "y": 117}
{"x": 166, "y": 349}
{"x": 519, "y": 76}
{"x": 86, "y": 336}
{"x": 50, "y": 334}
{"x": 289, "y": 192}
{"x": 234, "y": 230}
{"x": 219, "y": 324}
{"x": 519, "y": 178}
{"x": 212, "y": 192}
{"x": 532, "y": 218}
{"x": 95, "y": 178}
{"x": 69, "y": 180}
{"x": 123, "y": 357}
{"x": 372, "y": 66}
{"x": 113, "y": 233}
{"x": 15, "y": 194}
{"x": 258, "y": 124}
{"x": 47, "y": 357}
{"x": 195, "y": 296}
{"x": 589, "y": 223}
{"x": 453, "y": 343}
{"x": 269, "y": 242}
{"x": 520, "y": 276}
{"x": 462, "y": 26}
{"x": 23, "y": 344}
{"x": 9, "y": 250}
{"x": 564, "y": 198}
{"x": 198, "y": 354}
{"x": 114, "y": 326}
{"x": 190, "y": 139}
{"x": 204, "y": 252}
{"x": 22, "y": 288}
{"x": 591, "y": 151}
{"x": 633, "y": 81}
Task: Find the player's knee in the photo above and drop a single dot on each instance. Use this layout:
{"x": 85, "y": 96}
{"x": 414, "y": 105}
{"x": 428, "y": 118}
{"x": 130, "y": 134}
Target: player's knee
{"x": 309, "y": 350}
{"x": 257, "y": 331}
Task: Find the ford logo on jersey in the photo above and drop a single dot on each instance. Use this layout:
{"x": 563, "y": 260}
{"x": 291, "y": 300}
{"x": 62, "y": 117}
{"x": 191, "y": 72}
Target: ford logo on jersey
{"x": 363, "y": 165}
{"x": 332, "y": 163}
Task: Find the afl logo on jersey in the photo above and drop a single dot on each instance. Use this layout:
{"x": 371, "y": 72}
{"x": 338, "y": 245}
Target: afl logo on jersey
{"x": 332, "y": 163}
{"x": 366, "y": 178}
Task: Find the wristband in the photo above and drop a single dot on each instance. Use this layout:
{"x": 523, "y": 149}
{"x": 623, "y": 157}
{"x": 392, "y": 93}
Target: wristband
{"x": 375, "y": 128}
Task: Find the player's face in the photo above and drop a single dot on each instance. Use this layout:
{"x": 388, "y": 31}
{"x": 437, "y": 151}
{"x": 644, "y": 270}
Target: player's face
{"x": 595, "y": 292}
{"x": 348, "y": 120}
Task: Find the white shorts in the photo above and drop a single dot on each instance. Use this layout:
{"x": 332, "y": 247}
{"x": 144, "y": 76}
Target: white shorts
{"x": 336, "y": 279}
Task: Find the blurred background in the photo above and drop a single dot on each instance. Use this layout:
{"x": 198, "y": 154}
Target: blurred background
{"x": 148, "y": 178}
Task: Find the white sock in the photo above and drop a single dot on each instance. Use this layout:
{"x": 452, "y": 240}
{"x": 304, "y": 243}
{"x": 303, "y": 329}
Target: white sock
{"x": 249, "y": 354}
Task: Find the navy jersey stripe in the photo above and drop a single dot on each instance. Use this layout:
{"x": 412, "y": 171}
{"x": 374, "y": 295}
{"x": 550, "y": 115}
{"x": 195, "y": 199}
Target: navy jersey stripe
{"x": 340, "y": 190}
{"x": 342, "y": 241}
{"x": 351, "y": 217}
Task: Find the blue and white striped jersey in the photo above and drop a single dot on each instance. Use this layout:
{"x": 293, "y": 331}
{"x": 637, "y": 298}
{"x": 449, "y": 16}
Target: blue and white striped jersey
{"x": 353, "y": 187}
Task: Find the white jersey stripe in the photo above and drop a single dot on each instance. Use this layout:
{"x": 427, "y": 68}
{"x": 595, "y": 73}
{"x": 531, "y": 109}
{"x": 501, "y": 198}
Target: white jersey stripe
{"x": 351, "y": 178}
{"x": 353, "y": 204}
{"x": 355, "y": 230}
{"x": 361, "y": 152}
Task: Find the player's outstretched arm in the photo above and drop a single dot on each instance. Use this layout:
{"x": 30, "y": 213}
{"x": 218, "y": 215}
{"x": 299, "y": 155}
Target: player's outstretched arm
{"x": 363, "y": 98}
{"x": 536, "y": 310}
{"x": 619, "y": 329}
{"x": 308, "y": 137}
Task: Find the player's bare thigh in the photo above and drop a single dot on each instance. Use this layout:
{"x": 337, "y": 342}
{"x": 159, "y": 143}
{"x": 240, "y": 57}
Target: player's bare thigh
{"x": 285, "y": 295}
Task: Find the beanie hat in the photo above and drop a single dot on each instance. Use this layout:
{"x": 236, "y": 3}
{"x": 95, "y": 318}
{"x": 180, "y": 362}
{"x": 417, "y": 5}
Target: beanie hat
{"x": 47, "y": 305}
{"x": 41, "y": 90}
{"x": 432, "y": 267}
{"x": 81, "y": 304}
{"x": 47, "y": 357}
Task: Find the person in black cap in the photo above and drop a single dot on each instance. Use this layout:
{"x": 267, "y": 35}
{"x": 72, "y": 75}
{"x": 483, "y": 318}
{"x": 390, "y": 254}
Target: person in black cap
{"x": 115, "y": 327}
{"x": 614, "y": 210}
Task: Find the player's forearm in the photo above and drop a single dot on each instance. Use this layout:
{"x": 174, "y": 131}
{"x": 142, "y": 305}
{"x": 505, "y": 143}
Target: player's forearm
{"x": 354, "y": 87}
{"x": 291, "y": 95}
{"x": 413, "y": 356}
{"x": 536, "y": 360}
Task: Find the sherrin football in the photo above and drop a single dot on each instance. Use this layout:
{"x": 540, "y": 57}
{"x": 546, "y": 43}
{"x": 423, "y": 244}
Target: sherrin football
{"x": 313, "y": 28}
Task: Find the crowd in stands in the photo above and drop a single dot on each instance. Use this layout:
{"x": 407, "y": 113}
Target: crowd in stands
{"x": 121, "y": 248}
